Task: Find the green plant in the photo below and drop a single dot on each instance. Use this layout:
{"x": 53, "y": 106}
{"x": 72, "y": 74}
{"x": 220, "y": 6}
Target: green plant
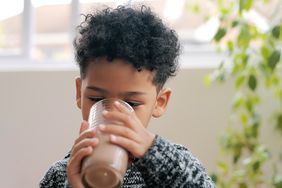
{"x": 254, "y": 62}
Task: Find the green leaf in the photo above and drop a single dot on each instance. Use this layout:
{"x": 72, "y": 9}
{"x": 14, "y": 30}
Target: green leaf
{"x": 236, "y": 157}
{"x": 223, "y": 167}
{"x": 239, "y": 174}
{"x": 224, "y": 11}
{"x": 252, "y": 82}
{"x": 278, "y": 93}
{"x": 263, "y": 153}
{"x": 267, "y": 82}
{"x": 278, "y": 184}
{"x": 241, "y": 6}
{"x": 240, "y": 81}
{"x": 248, "y": 4}
{"x": 244, "y": 119}
{"x": 276, "y": 31}
{"x": 244, "y": 37}
{"x": 238, "y": 101}
{"x": 254, "y": 130}
{"x": 275, "y": 80}
{"x": 249, "y": 105}
{"x": 219, "y": 34}
{"x": 278, "y": 181}
{"x": 207, "y": 80}
{"x": 256, "y": 166}
{"x": 214, "y": 177}
{"x": 245, "y": 5}
{"x": 194, "y": 8}
{"x": 234, "y": 23}
{"x": 273, "y": 59}
{"x": 279, "y": 123}
{"x": 221, "y": 65}
{"x": 243, "y": 185}
{"x": 230, "y": 46}
{"x": 264, "y": 52}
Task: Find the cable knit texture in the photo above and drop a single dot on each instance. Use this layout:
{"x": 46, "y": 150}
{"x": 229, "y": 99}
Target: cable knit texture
{"x": 165, "y": 165}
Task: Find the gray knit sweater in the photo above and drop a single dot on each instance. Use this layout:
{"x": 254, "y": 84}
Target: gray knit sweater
{"x": 165, "y": 165}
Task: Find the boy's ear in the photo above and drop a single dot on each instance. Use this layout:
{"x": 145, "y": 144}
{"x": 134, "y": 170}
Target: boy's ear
{"x": 78, "y": 92}
{"x": 161, "y": 102}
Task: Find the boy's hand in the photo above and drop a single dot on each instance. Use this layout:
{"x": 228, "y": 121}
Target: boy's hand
{"x": 82, "y": 147}
{"x": 131, "y": 135}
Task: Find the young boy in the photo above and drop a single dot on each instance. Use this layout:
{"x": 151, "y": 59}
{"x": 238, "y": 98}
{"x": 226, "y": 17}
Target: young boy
{"x": 128, "y": 54}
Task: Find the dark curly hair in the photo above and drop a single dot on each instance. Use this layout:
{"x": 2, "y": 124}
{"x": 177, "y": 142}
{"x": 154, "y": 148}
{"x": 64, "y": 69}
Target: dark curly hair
{"x": 137, "y": 36}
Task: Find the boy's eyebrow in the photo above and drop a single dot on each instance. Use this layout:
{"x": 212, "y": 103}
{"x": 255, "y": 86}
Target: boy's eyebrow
{"x": 97, "y": 89}
{"x": 129, "y": 93}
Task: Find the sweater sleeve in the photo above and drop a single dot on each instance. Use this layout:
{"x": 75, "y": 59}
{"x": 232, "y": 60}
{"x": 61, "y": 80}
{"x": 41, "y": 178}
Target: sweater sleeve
{"x": 171, "y": 165}
{"x": 55, "y": 176}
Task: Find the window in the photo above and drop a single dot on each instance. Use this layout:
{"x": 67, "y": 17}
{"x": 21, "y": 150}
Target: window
{"x": 52, "y": 30}
{"x": 175, "y": 13}
{"x": 11, "y": 27}
{"x": 43, "y": 30}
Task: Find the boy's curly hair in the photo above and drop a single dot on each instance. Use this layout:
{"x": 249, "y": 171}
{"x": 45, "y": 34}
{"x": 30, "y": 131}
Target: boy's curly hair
{"x": 137, "y": 36}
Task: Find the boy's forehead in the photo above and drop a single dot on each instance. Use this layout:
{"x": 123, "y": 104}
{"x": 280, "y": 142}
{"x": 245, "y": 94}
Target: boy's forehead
{"x": 118, "y": 72}
{"x": 117, "y": 67}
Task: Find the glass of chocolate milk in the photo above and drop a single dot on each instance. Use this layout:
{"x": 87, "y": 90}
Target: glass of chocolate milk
{"x": 106, "y": 166}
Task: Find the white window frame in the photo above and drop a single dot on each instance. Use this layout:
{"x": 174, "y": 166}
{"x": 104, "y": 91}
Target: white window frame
{"x": 193, "y": 56}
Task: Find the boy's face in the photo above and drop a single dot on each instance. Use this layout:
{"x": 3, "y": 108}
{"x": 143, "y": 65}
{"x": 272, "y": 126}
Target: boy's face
{"x": 120, "y": 80}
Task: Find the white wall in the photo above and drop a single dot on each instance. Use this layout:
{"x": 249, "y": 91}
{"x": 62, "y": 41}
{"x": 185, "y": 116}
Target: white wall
{"x": 39, "y": 120}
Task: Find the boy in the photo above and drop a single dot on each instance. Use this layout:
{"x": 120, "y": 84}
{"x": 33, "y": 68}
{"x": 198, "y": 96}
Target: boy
{"x": 128, "y": 54}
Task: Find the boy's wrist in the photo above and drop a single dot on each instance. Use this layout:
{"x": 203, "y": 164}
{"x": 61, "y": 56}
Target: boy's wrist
{"x": 151, "y": 149}
{"x": 151, "y": 142}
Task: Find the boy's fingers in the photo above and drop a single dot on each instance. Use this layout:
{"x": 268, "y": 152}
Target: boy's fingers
{"x": 118, "y": 118}
{"x": 86, "y": 134}
{"x": 120, "y": 131}
{"x": 92, "y": 142}
{"x": 122, "y": 108}
{"x": 127, "y": 120}
{"x": 128, "y": 144}
{"x": 75, "y": 161}
{"x": 84, "y": 126}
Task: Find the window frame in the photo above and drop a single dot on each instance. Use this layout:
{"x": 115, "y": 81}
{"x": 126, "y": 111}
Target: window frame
{"x": 189, "y": 57}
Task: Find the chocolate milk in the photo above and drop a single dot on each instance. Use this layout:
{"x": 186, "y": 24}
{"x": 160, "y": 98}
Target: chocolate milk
{"x": 106, "y": 166}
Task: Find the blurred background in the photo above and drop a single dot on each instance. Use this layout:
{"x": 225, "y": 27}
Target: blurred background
{"x": 38, "y": 116}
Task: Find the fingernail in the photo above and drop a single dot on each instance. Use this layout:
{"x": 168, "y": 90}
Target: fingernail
{"x": 105, "y": 112}
{"x": 113, "y": 138}
{"x": 117, "y": 103}
{"x": 89, "y": 148}
{"x": 95, "y": 140}
{"x": 102, "y": 127}
{"x": 92, "y": 129}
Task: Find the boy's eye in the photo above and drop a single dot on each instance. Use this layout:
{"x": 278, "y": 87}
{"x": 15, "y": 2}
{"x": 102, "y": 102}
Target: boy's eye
{"x": 133, "y": 104}
{"x": 96, "y": 99}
